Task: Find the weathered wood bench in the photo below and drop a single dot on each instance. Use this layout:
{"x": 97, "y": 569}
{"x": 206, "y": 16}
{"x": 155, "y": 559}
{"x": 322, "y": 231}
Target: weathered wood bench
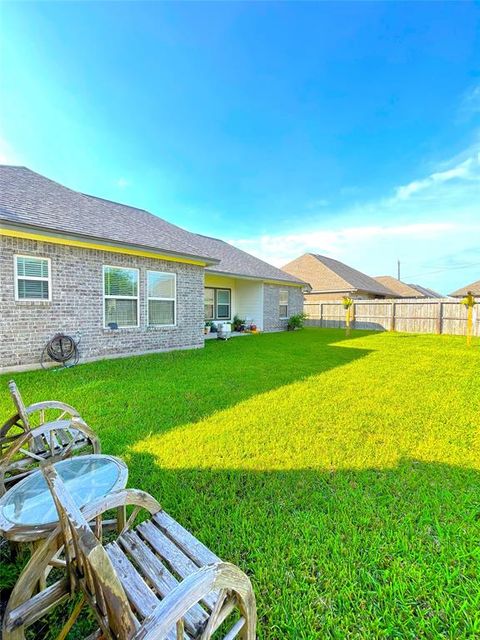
{"x": 154, "y": 581}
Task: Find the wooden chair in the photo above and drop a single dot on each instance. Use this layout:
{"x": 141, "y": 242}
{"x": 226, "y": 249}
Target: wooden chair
{"x": 154, "y": 581}
{"x": 49, "y": 430}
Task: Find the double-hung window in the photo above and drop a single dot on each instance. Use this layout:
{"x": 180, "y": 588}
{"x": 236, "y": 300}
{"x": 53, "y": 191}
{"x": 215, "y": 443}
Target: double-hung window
{"x": 32, "y": 278}
{"x": 217, "y": 303}
{"x": 120, "y": 296}
{"x": 283, "y": 304}
{"x": 161, "y": 298}
{"x": 223, "y": 304}
{"x": 209, "y": 304}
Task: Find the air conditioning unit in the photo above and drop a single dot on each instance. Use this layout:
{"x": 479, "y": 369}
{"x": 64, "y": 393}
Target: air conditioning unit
{"x": 224, "y": 330}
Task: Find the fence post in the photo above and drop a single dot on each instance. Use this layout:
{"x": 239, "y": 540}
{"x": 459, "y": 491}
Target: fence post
{"x": 320, "y": 313}
{"x": 439, "y": 317}
{"x": 392, "y": 317}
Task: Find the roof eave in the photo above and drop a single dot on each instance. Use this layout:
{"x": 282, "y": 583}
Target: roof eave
{"x": 230, "y": 274}
{"x": 48, "y": 232}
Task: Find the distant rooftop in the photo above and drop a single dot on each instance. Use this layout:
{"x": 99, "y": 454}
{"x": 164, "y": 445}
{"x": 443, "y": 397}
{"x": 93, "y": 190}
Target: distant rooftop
{"x": 325, "y": 274}
{"x": 474, "y": 287}
{"x": 404, "y": 290}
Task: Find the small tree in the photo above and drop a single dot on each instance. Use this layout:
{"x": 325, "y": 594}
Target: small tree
{"x": 469, "y": 302}
{"x": 347, "y": 305}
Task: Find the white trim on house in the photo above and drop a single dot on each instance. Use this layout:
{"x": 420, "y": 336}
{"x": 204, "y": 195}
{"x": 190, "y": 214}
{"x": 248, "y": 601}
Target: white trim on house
{"x": 109, "y": 297}
{"x": 174, "y": 299}
{"x": 47, "y": 279}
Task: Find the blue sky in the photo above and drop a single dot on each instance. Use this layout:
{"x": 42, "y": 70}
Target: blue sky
{"x": 346, "y": 129}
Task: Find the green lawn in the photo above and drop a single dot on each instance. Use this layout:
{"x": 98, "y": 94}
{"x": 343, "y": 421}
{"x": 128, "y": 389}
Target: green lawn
{"x": 341, "y": 474}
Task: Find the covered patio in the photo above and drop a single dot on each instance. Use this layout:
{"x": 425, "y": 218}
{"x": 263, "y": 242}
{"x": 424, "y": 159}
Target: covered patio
{"x": 226, "y": 297}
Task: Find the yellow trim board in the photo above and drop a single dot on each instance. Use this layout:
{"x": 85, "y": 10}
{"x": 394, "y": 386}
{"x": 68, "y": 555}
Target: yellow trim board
{"x": 101, "y": 247}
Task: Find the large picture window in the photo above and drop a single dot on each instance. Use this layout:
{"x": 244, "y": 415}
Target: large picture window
{"x": 120, "y": 296}
{"x": 32, "y": 278}
{"x": 161, "y": 298}
{"x": 283, "y": 304}
{"x": 218, "y": 304}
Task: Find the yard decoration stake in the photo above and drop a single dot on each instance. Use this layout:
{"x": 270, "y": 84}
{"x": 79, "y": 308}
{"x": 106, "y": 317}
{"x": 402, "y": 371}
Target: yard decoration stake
{"x": 347, "y": 305}
{"x": 469, "y": 302}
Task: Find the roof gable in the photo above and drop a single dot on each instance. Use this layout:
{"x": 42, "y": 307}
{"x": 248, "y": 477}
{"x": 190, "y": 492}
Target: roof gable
{"x": 325, "y": 274}
{"x": 399, "y": 288}
{"x": 474, "y": 287}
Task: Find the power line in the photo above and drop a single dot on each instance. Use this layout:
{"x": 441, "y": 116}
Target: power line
{"x": 427, "y": 273}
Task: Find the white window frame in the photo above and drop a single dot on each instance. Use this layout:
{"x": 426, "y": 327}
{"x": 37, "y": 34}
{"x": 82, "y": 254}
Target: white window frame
{"x": 105, "y": 297}
{"x": 281, "y": 304}
{"x": 223, "y": 304}
{"x": 48, "y": 279}
{"x": 174, "y": 299}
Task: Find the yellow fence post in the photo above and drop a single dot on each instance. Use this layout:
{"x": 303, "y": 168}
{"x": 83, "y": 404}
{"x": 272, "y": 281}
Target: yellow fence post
{"x": 469, "y": 302}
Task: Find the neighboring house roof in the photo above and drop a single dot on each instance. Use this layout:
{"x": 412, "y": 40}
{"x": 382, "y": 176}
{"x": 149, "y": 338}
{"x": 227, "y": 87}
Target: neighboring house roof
{"x": 474, "y": 287}
{"x": 326, "y": 275}
{"x": 404, "y": 290}
{"x": 28, "y": 199}
{"x": 428, "y": 293}
{"x": 234, "y": 261}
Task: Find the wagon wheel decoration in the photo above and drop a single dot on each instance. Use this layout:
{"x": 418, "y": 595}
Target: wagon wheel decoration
{"x": 28, "y": 609}
{"x": 23, "y": 451}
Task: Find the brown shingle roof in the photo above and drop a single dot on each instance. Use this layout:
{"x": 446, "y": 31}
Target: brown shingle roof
{"x": 399, "y": 288}
{"x": 237, "y": 262}
{"x": 474, "y": 287}
{"x": 325, "y": 274}
{"x": 28, "y": 198}
{"x": 428, "y": 293}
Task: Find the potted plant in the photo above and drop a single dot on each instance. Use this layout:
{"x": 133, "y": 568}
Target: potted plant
{"x": 296, "y": 321}
{"x": 238, "y": 324}
{"x": 208, "y": 327}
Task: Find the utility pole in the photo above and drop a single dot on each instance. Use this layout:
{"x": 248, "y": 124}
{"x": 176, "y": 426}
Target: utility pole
{"x": 398, "y": 269}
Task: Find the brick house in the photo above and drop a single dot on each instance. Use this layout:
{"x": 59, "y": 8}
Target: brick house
{"x": 331, "y": 279}
{"x": 126, "y": 281}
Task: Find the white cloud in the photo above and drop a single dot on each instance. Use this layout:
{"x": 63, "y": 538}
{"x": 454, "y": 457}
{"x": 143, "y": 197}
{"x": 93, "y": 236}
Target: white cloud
{"x": 7, "y": 154}
{"x": 430, "y": 222}
{"x": 469, "y": 169}
{"x": 471, "y": 103}
{"x": 123, "y": 183}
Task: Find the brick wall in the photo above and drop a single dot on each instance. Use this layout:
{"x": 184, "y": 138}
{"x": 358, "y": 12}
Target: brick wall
{"x": 271, "y": 302}
{"x": 77, "y": 305}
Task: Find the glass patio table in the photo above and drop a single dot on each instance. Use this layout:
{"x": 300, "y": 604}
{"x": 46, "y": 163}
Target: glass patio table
{"x": 27, "y": 510}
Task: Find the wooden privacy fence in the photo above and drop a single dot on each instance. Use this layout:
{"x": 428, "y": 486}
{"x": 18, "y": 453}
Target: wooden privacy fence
{"x": 428, "y": 315}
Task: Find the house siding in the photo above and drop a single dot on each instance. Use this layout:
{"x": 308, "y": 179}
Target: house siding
{"x": 271, "y": 302}
{"x": 77, "y": 305}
